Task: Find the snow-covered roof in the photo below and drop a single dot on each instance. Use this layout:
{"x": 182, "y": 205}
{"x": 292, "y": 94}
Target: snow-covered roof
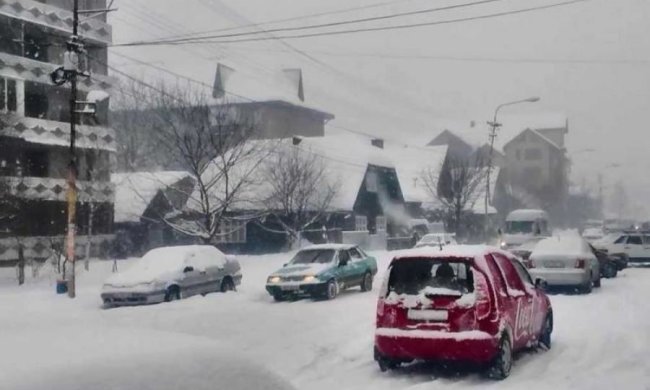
{"x": 527, "y": 215}
{"x": 346, "y": 160}
{"x": 476, "y": 133}
{"x": 134, "y": 191}
{"x": 464, "y": 251}
{"x": 241, "y": 84}
{"x": 410, "y": 163}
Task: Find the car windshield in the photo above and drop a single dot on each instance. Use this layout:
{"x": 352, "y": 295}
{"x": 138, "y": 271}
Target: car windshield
{"x": 514, "y": 227}
{"x": 158, "y": 261}
{"x": 412, "y": 276}
{"x": 308, "y": 256}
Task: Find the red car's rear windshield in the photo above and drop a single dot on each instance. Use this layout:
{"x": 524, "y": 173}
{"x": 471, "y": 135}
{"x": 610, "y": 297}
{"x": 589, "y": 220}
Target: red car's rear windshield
{"x": 412, "y": 276}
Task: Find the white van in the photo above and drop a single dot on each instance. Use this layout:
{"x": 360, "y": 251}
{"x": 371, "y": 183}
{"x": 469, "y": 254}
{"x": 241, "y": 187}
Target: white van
{"x": 524, "y": 225}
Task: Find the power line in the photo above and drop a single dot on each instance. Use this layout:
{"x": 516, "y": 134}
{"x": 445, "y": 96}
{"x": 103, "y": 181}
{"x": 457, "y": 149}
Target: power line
{"x": 156, "y": 89}
{"x": 468, "y": 58}
{"x": 291, "y": 19}
{"x": 228, "y": 12}
{"x": 371, "y": 29}
{"x": 200, "y": 83}
{"x": 325, "y": 25}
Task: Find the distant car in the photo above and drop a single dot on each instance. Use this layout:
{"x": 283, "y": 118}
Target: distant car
{"x": 322, "y": 271}
{"x": 471, "y": 304}
{"x": 635, "y": 245}
{"x": 565, "y": 261}
{"x": 436, "y": 239}
{"x": 593, "y": 234}
{"x": 170, "y": 273}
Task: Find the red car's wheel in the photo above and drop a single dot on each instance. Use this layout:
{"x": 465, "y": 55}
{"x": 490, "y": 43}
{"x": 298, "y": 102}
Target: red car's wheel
{"x": 547, "y": 329}
{"x": 502, "y": 363}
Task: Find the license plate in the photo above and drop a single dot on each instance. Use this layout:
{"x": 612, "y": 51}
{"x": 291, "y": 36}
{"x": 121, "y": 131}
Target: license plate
{"x": 428, "y": 315}
{"x": 554, "y": 264}
{"x": 289, "y": 288}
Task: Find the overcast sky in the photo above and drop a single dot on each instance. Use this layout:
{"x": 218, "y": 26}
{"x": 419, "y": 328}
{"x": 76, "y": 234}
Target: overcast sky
{"x": 590, "y": 60}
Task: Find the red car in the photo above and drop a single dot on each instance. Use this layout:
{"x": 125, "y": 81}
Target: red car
{"x": 471, "y": 304}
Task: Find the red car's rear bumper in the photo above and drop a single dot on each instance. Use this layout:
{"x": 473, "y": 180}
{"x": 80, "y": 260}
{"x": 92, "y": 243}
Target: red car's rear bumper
{"x": 401, "y": 344}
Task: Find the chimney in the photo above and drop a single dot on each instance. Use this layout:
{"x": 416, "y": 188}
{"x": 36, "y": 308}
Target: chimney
{"x": 296, "y": 140}
{"x": 220, "y": 78}
{"x": 377, "y": 142}
{"x": 295, "y": 76}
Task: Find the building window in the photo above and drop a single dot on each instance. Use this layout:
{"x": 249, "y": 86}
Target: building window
{"x": 533, "y": 154}
{"x": 37, "y": 163}
{"x": 231, "y": 232}
{"x": 360, "y": 223}
{"x": 380, "y": 223}
{"x": 371, "y": 182}
{"x": 8, "y": 101}
{"x": 532, "y": 174}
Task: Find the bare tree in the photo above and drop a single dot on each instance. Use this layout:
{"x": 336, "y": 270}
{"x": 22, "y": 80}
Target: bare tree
{"x": 207, "y": 138}
{"x": 456, "y": 185}
{"x": 300, "y": 190}
{"x": 134, "y": 119}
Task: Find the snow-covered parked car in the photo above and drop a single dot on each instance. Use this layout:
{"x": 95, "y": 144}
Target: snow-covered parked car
{"x": 565, "y": 261}
{"x": 437, "y": 240}
{"x": 322, "y": 271}
{"x": 170, "y": 273}
{"x": 473, "y": 304}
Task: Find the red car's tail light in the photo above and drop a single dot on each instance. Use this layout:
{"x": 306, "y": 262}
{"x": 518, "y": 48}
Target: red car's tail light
{"x": 581, "y": 263}
{"x": 483, "y": 305}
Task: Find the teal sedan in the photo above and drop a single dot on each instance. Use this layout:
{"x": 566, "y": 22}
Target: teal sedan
{"x": 322, "y": 271}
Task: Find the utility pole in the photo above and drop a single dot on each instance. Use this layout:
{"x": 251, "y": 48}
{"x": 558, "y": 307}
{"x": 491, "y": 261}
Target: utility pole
{"x": 494, "y": 126}
{"x": 69, "y": 73}
{"x": 72, "y": 56}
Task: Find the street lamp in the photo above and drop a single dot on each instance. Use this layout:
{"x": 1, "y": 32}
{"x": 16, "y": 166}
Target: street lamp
{"x": 494, "y": 125}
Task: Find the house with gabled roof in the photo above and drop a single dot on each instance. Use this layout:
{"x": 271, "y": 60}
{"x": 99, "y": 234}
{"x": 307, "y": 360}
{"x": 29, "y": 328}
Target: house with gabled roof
{"x": 275, "y": 101}
{"x": 367, "y": 205}
{"x": 529, "y": 149}
{"x": 143, "y": 201}
{"x": 537, "y": 171}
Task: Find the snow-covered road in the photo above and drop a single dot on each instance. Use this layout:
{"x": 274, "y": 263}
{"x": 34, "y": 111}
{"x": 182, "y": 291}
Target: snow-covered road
{"x": 601, "y": 340}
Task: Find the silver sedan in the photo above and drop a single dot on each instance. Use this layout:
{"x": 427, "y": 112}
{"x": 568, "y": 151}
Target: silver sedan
{"x": 565, "y": 261}
{"x": 170, "y": 273}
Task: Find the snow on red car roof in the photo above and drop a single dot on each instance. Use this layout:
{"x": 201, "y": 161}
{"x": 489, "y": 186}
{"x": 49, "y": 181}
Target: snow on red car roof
{"x": 449, "y": 251}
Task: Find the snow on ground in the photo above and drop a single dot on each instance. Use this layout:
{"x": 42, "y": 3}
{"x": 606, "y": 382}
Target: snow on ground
{"x": 600, "y": 340}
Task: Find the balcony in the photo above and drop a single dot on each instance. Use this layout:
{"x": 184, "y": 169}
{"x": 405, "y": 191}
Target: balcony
{"x": 31, "y": 70}
{"x": 48, "y": 132}
{"x": 49, "y": 189}
{"x": 55, "y": 18}
{"x": 41, "y": 247}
